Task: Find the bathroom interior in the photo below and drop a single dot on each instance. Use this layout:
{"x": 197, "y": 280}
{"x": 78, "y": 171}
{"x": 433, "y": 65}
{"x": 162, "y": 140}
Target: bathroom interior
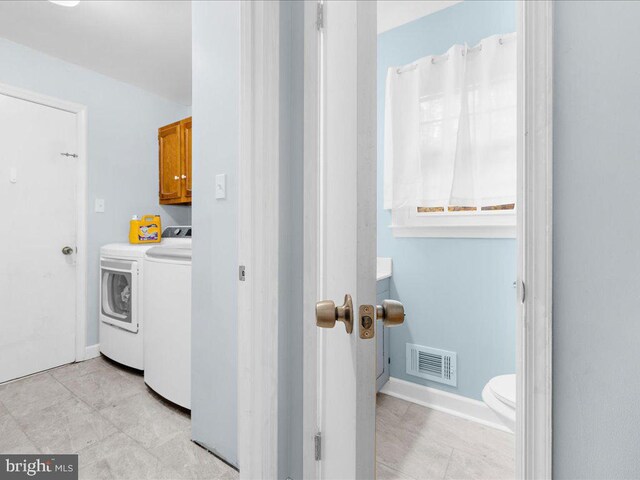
{"x": 446, "y": 377}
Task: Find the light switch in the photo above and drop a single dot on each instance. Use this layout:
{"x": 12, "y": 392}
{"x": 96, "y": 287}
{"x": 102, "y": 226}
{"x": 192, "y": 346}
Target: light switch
{"x": 13, "y": 175}
{"x": 221, "y": 185}
{"x": 99, "y": 206}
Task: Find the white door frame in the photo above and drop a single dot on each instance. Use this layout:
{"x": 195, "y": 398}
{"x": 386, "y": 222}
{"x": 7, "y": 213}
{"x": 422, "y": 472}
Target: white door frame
{"x": 258, "y": 240}
{"x": 535, "y": 240}
{"x": 258, "y": 382}
{"x": 81, "y": 195}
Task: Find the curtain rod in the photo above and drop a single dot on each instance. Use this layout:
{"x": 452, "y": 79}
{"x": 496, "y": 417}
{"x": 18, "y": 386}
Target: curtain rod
{"x": 445, "y": 57}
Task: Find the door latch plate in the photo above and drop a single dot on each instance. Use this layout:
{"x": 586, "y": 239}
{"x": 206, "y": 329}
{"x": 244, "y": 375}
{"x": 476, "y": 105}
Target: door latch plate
{"x": 367, "y": 322}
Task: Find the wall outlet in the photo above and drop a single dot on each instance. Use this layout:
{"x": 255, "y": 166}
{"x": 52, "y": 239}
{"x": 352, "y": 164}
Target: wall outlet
{"x": 99, "y": 205}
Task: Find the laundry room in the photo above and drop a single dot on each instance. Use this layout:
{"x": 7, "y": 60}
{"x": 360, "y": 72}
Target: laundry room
{"x": 96, "y": 162}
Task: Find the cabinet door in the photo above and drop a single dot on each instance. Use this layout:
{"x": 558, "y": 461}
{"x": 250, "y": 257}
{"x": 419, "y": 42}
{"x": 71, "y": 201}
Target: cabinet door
{"x": 186, "y": 158}
{"x": 170, "y": 154}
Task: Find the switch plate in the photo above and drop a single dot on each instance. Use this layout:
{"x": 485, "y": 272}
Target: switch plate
{"x": 13, "y": 175}
{"x": 221, "y": 185}
{"x": 99, "y": 205}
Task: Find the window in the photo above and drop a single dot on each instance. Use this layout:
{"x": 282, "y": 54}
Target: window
{"x": 450, "y": 142}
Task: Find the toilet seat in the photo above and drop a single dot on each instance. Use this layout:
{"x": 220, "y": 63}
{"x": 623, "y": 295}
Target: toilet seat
{"x": 504, "y": 387}
{"x": 500, "y": 396}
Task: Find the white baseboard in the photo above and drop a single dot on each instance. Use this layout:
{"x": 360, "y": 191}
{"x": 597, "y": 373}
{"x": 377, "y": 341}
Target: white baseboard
{"x": 92, "y": 351}
{"x": 442, "y": 401}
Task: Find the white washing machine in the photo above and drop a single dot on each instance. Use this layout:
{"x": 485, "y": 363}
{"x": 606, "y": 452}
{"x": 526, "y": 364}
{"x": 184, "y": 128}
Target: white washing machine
{"x": 121, "y": 306}
{"x": 167, "y": 307}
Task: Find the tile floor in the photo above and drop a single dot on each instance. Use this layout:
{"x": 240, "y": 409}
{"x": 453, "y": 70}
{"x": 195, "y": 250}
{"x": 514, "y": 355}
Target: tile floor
{"x": 106, "y": 414}
{"x": 415, "y": 442}
{"x": 121, "y": 430}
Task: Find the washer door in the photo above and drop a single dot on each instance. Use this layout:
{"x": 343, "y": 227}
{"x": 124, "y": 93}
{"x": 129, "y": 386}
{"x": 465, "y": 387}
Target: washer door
{"x": 119, "y": 293}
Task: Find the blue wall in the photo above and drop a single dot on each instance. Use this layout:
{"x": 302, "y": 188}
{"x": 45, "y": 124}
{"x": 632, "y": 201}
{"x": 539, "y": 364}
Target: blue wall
{"x": 216, "y": 144}
{"x": 458, "y": 293}
{"x": 123, "y": 123}
{"x": 596, "y": 233}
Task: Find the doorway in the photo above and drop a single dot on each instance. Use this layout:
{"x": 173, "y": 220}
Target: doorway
{"x": 42, "y": 281}
{"x": 354, "y": 439}
{"x": 338, "y": 437}
{"x": 447, "y": 117}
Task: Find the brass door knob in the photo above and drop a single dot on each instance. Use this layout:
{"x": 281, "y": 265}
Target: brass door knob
{"x": 327, "y": 313}
{"x": 391, "y": 312}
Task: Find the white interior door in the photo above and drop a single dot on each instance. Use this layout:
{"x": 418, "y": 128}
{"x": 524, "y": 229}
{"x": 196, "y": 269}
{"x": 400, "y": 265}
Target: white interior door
{"x": 346, "y": 232}
{"x": 39, "y": 206}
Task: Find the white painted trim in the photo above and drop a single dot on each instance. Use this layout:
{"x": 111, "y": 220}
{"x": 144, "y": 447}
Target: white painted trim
{"x": 81, "y": 226}
{"x": 258, "y": 240}
{"x": 82, "y": 246}
{"x": 407, "y": 222}
{"x": 535, "y": 221}
{"x": 92, "y": 351}
{"x": 40, "y": 99}
{"x": 446, "y": 402}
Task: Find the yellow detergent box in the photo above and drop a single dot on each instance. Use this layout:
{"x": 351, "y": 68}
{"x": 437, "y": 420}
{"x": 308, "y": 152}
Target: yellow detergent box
{"x": 147, "y": 229}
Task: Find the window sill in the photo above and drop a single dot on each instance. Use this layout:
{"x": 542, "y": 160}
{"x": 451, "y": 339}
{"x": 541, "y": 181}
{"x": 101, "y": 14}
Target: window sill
{"x": 496, "y": 224}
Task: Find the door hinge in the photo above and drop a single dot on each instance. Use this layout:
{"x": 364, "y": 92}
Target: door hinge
{"x": 318, "y": 446}
{"x": 242, "y": 273}
{"x": 320, "y": 16}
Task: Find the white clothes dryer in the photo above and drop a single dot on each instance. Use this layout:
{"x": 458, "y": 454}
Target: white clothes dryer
{"x": 121, "y": 309}
{"x": 167, "y": 305}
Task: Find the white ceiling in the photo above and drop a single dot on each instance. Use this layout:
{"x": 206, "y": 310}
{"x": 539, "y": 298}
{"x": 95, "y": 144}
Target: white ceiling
{"x": 145, "y": 43}
{"x": 393, "y": 13}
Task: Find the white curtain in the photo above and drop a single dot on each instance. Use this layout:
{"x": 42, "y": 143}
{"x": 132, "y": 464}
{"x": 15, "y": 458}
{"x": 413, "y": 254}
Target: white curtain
{"x": 450, "y": 128}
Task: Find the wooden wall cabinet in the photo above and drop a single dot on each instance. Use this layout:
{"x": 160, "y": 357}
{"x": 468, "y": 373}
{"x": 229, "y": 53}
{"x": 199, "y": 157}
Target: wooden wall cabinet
{"x": 174, "y": 150}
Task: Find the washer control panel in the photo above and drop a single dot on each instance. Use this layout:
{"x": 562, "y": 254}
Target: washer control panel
{"x": 177, "y": 231}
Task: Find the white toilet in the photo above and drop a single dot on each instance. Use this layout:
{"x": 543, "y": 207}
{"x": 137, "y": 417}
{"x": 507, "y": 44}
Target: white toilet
{"x": 500, "y": 396}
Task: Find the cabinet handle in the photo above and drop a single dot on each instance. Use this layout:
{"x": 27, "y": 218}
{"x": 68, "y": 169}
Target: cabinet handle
{"x": 176, "y": 177}
{"x": 184, "y": 176}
